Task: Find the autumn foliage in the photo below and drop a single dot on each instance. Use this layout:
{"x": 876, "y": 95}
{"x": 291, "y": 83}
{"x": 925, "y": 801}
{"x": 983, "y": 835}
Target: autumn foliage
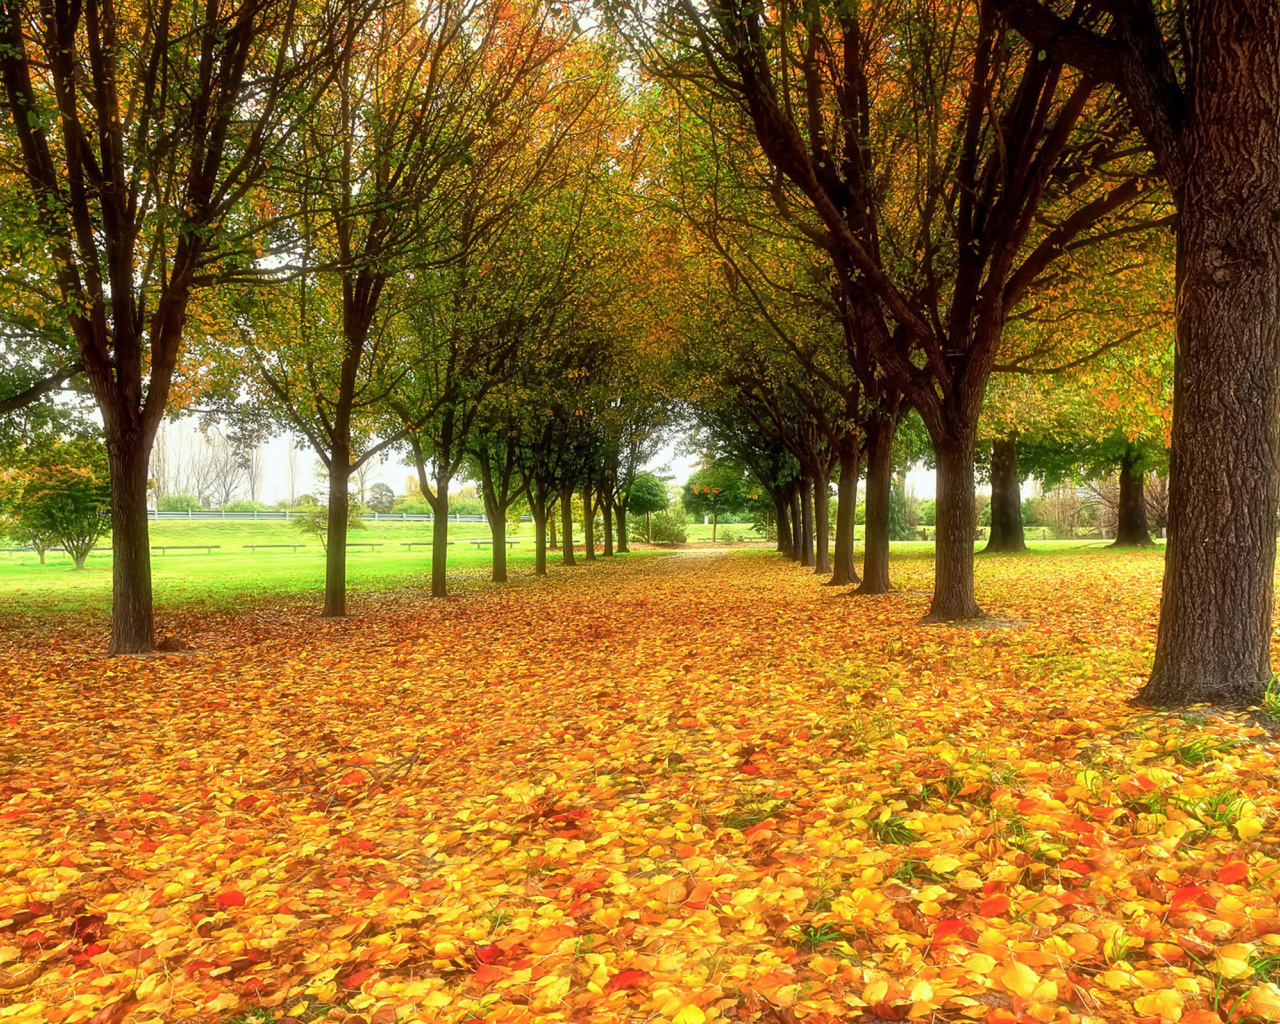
{"x": 679, "y": 788}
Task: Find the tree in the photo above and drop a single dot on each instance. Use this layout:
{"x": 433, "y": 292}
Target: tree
{"x": 1006, "y": 499}
{"x": 64, "y": 503}
{"x": 1202, "y": 82}
{"x": 132, "y": 187}
{"x": 715, "y": 490}
{"x": 647, "y": 495}
{"x": 936, "y": 249}
{"x": 314, "y": 520}
{"x": 381, "y": 497}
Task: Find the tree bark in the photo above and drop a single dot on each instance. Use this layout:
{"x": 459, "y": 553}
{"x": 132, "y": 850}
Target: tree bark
{"x": 1006, "y": 498}
{"x": 620, "y": 510}
{"x": 335, "y": 557}
{"x": 1214, "y": 640}
{"x": 539, "y": 513}
{"x": 822, "y": 525}
{"x": 953, "y": 595}
{"x": 588, "y": 525}
{"x": 797, "y": 521}
{"x": 843, "y": 572}
{"x": 780, "y": 512}
{"x": 498, "y": 533}
{"x": 566, "y": 524}
{"x": 806, "y": 522}
{"x": 875, "y": 546}
{"x": 132, "y": 627}
{"x": 606, "y": 520}
{"x": 715, "y": 519}
{"x": 440, "y": 539}
{"x": 1132, "y": 530}
{"x": 551, "y": 521}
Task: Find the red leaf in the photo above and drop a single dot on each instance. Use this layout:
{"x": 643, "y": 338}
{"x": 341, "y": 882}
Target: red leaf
{"x": 994, "y": 907}
{"x": 147, "y": 798}
{"x": 488, "y": 954}
{"x": 1196, "y": 895}
{"x": 1236, "y": 871}
{"x": 949, "y": 929}
{"x": 626, "y": 980}
{"x": 230, "y": 898}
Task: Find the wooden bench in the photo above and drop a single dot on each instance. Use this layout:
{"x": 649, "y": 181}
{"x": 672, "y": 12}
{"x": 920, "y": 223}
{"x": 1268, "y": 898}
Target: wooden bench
{"x": 364, "y": 544}
{"x": 185, "y": 547}
{"x": 482, "y": 543}
{"x": 254, "y": 547}
{"x": 411, "y": 544}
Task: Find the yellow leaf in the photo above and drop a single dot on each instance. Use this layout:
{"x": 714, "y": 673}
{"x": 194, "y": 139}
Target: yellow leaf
{"x": 690, "y": 1015}
{"x": 1020, "y": 979}
{"x": 1166, "y": 1005}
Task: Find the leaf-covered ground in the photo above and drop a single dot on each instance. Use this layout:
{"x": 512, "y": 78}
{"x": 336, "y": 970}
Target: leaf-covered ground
{"x": 687, "y": 788}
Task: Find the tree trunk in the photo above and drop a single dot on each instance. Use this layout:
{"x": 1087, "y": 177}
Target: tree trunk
{"x": 715, "y": 518}
{"x": 335, "y": 556}
{"x": 620, "y": 510}
{"x": 132, "y": 626}
{"x": 539, "y": 513}
{"x": 588, "y": 525}
{"x": 606, "y": 520}
{"x": 843, "y": 572}
{"x": 440, "y": 539}
{"x": 875, "y": 546}
{"x": 797, "y": 521}
{"x": 822, "y": 525}
{"x": 806, "y": 522}
{"x": 1006, "y": 499}
{"x": 551, "y": 521}
{"x": 1214, "y": 640}
{"x": 566, "y": 524}
{"x": 953, "y": 596}
{"x": 498, "y": 532}
{"x": 785, "y": 544}
{"x": 1131, "y": 514}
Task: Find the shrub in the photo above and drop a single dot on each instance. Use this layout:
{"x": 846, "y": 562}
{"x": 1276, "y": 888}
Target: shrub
{"x": 307, "y": 501}
{"x": 928, "y": 512}
{"x": 670, "y": 526}
{"x": 244, "y": 505}
{"x": 412, "y": 504}
{"x": 462, "y": 506}
{"x": 178, "y": 503}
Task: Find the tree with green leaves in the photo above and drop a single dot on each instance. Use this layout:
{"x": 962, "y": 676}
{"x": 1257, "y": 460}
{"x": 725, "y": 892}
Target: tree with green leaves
{"x": 62, "y": 498}
{"x": 714, "y": 490}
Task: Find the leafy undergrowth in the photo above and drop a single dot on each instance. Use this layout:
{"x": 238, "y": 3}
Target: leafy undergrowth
{"x": 688, "y": 788}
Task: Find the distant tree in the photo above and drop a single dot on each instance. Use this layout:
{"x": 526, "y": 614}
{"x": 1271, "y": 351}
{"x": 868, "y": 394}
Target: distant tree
{"x": 64, "y": 504}
{"x": 314, "y": 522}
{"x": 381, "y": 498}
{"x": 713, "y": 491}
{"x": 647, "y": 495}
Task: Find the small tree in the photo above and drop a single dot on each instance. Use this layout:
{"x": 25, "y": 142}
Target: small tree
{"x": 647, "y": 495}
{"x": 313, "y": 521}
{"x": 714, "y": 491}
{"x": 381, "y": 498}
{"x": 64, "y": 504}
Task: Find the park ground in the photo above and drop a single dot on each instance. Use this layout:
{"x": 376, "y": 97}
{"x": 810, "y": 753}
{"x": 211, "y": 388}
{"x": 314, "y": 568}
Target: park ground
{"x": 667, "y": 787}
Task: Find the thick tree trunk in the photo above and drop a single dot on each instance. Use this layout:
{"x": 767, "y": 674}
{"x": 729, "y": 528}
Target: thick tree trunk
{"x": 1006, "y": 498}
{"x": 551, "y": 521}
{"x": 784, "y": 523}
{"x": 797, "y": 521}
{"x": 620, "y": 510}
{"x": 588, "y": 525}
{"x": 1214, "y": 640}
{"x": 498, "y": 533}
{"x": 843, "y": 572}
{"x": 335, "y": 558}
{"x": 539, "y": 539}
{"x": 606, "y": 520}
{"x": 822, "y": 525}
{"x": 1131, "y": 513}
{"x": 806, "y": 522}
{"x": 440, "y": 539}
{"x": 132, "y": 627}
{"x": 875, "y": 546}
{"x": 953, "y": 595}
{"x": 566, "y": 524}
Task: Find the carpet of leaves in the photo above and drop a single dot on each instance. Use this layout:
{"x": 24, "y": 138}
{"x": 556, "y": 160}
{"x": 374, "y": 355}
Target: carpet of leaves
{"x": 669, "y": 789}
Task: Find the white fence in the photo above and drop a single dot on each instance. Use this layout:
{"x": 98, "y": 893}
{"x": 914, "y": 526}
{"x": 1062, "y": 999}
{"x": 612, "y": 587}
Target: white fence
{"x": 388, "y": 517}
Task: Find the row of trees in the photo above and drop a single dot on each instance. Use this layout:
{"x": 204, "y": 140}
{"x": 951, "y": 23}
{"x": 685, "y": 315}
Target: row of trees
{"x": 963, "y": 180}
